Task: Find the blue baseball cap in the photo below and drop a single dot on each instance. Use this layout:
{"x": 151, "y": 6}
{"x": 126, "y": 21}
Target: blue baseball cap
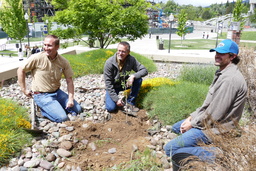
{"x": 226, "y": 46}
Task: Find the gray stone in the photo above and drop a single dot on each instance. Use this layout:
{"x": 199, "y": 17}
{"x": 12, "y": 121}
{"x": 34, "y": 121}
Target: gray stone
{"x": 50, "y": 157}
{"x": 29, "y": 154}
{"x": 70, "y": 128}
{"x": 63, "y": 152}
{"x": 67, "y": 145}
{"x": 32, "y": 163}
{"x": 112, "y": 150}
{"x": 46, "y": 165}
{"x": 92, "y": 146}
{"x": 84, "y": 141}
{"x": 60, "y": 165}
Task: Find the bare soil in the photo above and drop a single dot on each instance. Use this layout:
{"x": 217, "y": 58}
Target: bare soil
{"x": 121, "y": 132}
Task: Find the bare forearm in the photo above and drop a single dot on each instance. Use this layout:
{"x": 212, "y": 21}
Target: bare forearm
{"x": 70, "y": 87}
{"x": 21, "y": 79}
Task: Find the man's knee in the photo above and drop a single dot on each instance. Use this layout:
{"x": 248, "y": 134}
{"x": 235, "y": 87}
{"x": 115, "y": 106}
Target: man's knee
{"x": 61, "y": 118}
{"x": 111, "y": 108}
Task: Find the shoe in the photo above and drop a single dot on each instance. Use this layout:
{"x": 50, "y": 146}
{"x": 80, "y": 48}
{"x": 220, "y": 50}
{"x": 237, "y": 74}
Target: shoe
{"x": 131, "y": 110}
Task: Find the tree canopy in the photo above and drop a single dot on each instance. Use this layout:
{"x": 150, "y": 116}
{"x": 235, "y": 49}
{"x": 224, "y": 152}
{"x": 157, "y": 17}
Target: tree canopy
{"x": 12, "y": 19}
{"x": 104, "y": 20}
{"x": 182, "y": 29}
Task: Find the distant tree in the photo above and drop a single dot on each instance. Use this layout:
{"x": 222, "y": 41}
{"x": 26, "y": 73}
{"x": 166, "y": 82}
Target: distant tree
{"x": 170, "y": 7}
{"x": 13, "y": 21}
{"x": 206, "y": 14}
{"x": 192, "y": 11}
{"x": 227, "y": 4}
{"x": 104, "y": 20}
{"x": 182, "y": 29}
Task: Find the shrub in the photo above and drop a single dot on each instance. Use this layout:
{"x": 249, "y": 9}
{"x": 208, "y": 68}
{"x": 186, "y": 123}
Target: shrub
{"x": 200, "y": 74}
{"x": 12, "y": 138}
{"x": 235, "y": 151}
{"x": 248, "y": 68}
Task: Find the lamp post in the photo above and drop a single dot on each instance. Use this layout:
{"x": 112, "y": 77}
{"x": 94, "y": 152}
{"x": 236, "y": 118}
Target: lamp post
{"x": 171, "y": 18}
{"x": 217, "y": 30}
{"x": 46, "y": 26}
{"x": 26, "y": 18}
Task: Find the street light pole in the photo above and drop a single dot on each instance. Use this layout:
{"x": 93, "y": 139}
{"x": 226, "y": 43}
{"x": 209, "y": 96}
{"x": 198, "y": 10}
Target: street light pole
{"x": 26, "y": 18}
{"x": 171, "y": 18}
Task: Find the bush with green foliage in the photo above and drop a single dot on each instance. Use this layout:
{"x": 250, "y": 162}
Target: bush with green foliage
{"x": 13, "y": 118}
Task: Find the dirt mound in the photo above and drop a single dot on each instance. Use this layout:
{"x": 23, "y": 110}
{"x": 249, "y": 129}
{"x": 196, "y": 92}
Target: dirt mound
{"x": 121, "y": 133}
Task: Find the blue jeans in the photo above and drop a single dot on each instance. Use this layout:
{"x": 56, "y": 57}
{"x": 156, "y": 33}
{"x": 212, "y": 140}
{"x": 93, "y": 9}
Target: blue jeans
{"x": 53, "y": 105}
{"x": 188, "y": 143}
{"x": 111, "y": 105}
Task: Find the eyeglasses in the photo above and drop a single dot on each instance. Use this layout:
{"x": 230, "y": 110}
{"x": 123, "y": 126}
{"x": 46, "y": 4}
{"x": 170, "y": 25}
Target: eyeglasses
{"x": 121, "y": 51}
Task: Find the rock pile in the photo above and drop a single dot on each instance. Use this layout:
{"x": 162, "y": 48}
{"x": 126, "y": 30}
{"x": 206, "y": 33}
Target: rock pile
{"x": 91, "y": 97}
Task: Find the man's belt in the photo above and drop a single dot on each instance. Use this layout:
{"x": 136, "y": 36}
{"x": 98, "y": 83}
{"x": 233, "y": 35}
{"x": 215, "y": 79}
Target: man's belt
{"x": 38, "y": 92}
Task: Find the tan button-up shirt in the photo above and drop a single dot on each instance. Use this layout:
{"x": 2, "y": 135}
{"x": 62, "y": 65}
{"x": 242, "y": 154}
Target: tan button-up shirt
{"x": 47, "y": 73}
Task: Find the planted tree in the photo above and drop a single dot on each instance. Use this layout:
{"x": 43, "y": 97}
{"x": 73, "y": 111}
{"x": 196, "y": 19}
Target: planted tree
{"x": 237, "y": 13}
{"x": 182, "y": 29}
{"x": 104, "y": 20}
{"x": 13, "y": 21}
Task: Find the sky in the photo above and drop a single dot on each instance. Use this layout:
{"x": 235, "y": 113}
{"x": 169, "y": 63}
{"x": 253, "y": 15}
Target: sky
{"x": 202, "y": 3}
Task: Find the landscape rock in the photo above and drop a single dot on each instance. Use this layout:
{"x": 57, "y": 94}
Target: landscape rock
{"x": 63, "y": 152}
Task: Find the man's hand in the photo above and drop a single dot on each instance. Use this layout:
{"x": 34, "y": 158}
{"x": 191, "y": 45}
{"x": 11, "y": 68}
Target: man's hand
{"x": 28, "y": 93}
{"x": 120, "y": 102}
{"x": 186, "y": 125}
{"x": 70, "y": 104}
{"x": 130, "y": 81}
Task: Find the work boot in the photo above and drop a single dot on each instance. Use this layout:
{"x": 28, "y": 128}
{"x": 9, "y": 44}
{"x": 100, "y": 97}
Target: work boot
{"x": 131, "y": 110}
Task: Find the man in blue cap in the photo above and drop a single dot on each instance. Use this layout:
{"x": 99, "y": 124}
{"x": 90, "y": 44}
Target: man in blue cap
{"x": 222, "y": 108}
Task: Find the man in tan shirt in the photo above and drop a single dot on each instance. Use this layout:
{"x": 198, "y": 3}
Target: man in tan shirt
{"x": 47, "y": 68}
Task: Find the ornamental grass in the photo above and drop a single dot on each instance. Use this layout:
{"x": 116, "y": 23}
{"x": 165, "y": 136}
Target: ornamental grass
{"x": 149, "y": 85}
{"x": 12, "y": 137}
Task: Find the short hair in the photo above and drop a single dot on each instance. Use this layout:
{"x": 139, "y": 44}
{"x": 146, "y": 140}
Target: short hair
{"x": 236, "y": 60}
{"x": 125, "y": 44}
{"x": 56, "y": 39}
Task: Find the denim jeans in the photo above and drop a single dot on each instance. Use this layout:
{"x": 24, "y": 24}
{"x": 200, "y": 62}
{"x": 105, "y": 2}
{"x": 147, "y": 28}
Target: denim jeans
{"x": 111, "y": 105}
{"x": 53, "y": 105}
{"x": 188, "y": 143}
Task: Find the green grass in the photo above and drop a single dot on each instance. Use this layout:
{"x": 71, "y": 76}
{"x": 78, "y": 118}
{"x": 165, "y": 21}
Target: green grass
{"x": 206, "y": 44}
{"x": 14, "y": 53}
{"x": 92, "y": 62}
{"x": 174, "y": 103}
{"x": 202, "y": 44}
{"x": 142, "y": 161}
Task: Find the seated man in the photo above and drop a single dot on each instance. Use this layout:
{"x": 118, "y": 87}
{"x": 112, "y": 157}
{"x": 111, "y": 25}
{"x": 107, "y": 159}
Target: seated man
{"x": 47, "y": 68}
{"x": 116, "y": 74}
{"x": 222, "y": 107}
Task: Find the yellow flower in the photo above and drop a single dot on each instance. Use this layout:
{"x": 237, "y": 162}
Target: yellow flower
{"x": 148, "y": 85}
{"x": 109, "y": 53}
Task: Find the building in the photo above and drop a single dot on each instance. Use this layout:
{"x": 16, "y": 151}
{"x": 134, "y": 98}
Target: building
{"x": 38, "y": 9}
{"x": 252, "y": 6}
